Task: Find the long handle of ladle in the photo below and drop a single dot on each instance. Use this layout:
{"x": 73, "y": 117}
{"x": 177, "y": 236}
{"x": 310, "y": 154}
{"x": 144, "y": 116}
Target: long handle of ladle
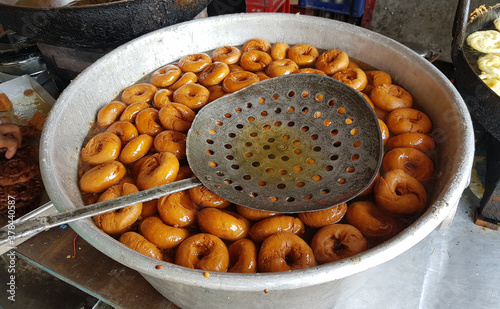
{"x": 35, "y": 225}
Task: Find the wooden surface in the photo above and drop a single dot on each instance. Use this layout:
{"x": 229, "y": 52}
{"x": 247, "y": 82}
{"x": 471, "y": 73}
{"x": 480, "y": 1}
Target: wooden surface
{"x": 90, "y": 270}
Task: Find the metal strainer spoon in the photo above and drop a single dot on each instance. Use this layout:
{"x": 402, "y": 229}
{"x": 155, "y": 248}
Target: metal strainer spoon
{"x": 294, "y": 143}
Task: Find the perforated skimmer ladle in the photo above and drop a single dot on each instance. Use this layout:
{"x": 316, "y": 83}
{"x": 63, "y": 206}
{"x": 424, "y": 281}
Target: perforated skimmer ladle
{"x": 294, "y": 143}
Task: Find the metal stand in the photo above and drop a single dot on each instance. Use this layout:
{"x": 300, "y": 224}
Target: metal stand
{"x": 488, "y": 213}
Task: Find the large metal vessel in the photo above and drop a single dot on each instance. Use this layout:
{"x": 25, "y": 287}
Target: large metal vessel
{"x": 322, "y": 285}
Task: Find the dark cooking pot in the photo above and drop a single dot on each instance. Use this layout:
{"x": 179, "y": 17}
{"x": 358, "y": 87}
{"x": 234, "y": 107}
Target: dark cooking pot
{"x": 483, "y": 103}
{"x": 97, "y": 26}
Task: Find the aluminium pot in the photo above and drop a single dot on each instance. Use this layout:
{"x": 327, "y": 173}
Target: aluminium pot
{"x": 97, "y": 26}
{"x": 68, "y": 124}
{"x": 483, "y": 103}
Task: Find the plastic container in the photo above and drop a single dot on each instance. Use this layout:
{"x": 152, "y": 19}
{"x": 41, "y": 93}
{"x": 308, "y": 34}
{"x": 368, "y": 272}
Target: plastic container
{"x": 353, "y": 8}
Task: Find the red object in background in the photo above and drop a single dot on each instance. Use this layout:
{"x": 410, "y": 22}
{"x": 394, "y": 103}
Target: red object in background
{"x": 294, "y": 8}
{"x": 282, "y": 6}
{"x": 366, "y": 21}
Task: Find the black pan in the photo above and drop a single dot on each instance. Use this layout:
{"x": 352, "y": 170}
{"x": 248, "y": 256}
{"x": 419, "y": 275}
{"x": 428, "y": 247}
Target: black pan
{"x": 97, "y": 26}
{"x": 483, "y": 103}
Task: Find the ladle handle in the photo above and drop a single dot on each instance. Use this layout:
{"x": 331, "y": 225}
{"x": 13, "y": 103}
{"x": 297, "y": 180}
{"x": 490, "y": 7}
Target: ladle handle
{"x": 35, "y": 225}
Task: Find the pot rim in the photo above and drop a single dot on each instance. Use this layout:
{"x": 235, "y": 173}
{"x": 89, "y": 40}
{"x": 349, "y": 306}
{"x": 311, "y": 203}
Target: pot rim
{"x": 434, "y": 215}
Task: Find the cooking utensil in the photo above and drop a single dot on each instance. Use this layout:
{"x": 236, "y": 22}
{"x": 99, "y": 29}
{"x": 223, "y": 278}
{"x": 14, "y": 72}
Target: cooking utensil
{"x": 97, "y": 26}
{"x": 327, "y": 286}
{"x": 293, "y": 143}
{"x": 483, "y": 103}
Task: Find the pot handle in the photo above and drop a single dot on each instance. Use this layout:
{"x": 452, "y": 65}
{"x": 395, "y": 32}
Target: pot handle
{"x": 459, "y": 25}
